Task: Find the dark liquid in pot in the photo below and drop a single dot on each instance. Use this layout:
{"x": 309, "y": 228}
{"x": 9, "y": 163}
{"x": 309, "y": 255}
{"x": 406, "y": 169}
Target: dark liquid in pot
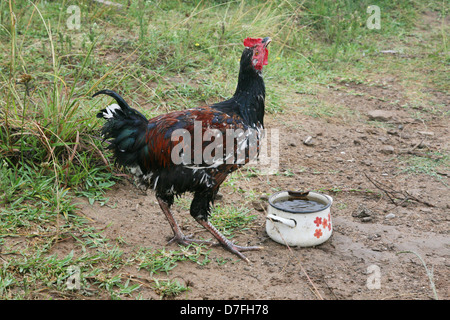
{"x": 300, "y": 205}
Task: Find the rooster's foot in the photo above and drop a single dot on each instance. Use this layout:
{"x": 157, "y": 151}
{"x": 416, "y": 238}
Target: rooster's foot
{"x": 227, "y": 244}
{"x": 185, "y": 240}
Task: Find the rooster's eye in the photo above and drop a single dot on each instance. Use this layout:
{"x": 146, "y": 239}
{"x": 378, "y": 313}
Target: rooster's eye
{"x": 256, "y": 53}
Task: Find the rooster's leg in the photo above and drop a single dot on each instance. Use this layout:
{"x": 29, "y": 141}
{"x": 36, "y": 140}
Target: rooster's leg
{"x": 179, "y": 237}
{"x": 225, "y": 242}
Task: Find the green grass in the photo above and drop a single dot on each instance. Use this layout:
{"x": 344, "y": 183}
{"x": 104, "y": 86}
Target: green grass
{"x": 163, "y": 261}
{"x": 318, "y": 108}
{"x": 228, "y": 219}
{"x": 169, "y": 288}
{"x": 162, "y": 56}
{"x": 430, "y": 164}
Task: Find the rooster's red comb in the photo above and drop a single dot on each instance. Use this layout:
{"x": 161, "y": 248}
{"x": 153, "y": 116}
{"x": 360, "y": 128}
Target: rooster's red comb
{"x": 251, "y": 42}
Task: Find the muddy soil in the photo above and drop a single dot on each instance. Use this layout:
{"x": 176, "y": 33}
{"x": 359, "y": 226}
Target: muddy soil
{"x": 347, "y": 156}
{"x": 382, "y": 206}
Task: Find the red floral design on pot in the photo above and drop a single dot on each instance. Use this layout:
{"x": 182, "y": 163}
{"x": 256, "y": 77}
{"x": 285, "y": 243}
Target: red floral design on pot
{"x": 318, "y": 221}
{"x": 318, "y": 233}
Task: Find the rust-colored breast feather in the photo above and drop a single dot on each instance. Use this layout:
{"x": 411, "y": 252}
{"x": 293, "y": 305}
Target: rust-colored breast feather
{"x": 161, "y": 129}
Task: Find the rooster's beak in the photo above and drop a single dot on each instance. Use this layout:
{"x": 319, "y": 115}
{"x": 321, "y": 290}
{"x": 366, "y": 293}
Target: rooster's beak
{"x": 266, "y": 41}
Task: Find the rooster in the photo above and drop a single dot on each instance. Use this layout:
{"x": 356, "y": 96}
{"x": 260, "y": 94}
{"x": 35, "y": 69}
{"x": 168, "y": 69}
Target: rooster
{"x": 159, "y": 152}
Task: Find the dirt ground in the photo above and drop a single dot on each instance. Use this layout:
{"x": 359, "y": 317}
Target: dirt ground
{"x": 367, "y": 143}
{"x": 368, "y": 228}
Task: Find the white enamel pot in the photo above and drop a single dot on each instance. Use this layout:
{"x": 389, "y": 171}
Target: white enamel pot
{"x": 304, "y": 228}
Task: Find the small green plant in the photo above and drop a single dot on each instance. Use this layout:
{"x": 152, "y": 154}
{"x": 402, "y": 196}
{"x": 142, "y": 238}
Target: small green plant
{"x": 155, "y": 261}
{"x": 168, "y": 288}
{"x": 428, "y": 164}
{"x": 229, "y": 219}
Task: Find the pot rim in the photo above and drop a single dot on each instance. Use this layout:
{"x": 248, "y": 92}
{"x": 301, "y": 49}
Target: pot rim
{"x": 293, "y": 211}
